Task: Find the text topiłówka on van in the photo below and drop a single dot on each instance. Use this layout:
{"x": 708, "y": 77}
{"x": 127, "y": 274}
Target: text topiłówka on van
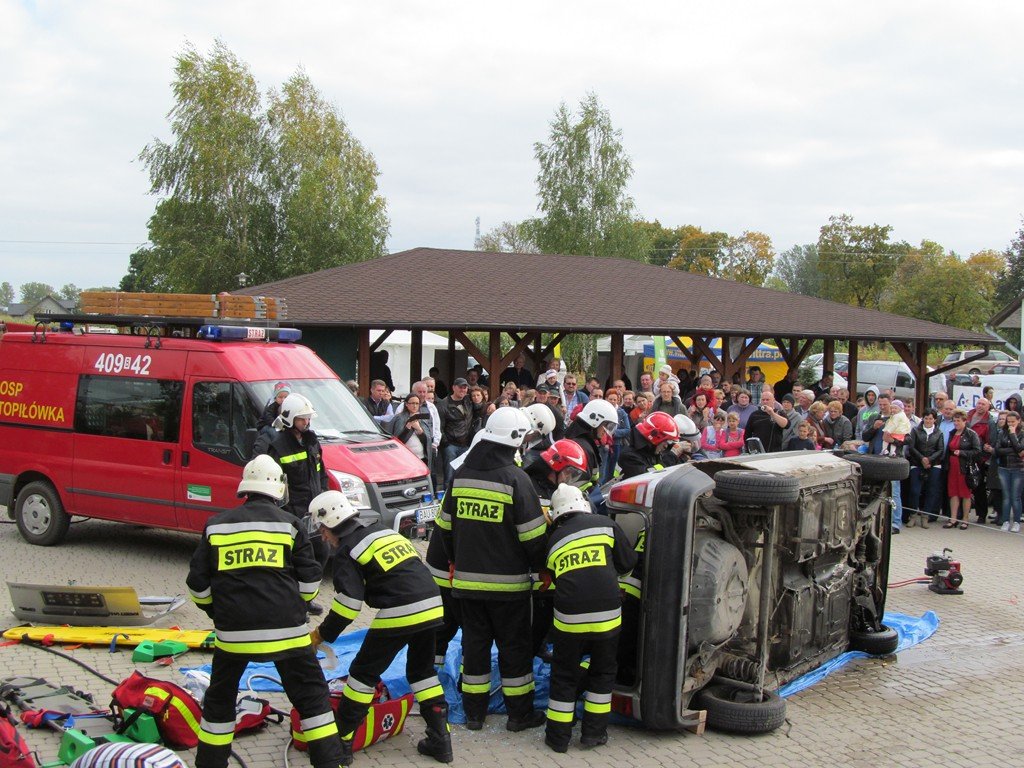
{"x": 153, "y": 431}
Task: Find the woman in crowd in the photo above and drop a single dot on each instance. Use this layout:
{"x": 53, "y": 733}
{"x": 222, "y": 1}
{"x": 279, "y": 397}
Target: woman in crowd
{"x": 478, "y": 398}
{"x": 413, "y": 428}
{"x": 816, "y": 421}
{"x": 700, "y": 412}
{"x": 668, "y": 401}
{"x": 1009, "y": 452}
{"x": 730, "y": 439}
{"x": 742, "y": 406}
{"x": 511, "y": 393}
{"x": 709, "y": 436}
{"x": 641, "y": 407}
{"x": 925, "y": 447}
{"x": 838, "y": 428}
{"x": 964, "y": 447}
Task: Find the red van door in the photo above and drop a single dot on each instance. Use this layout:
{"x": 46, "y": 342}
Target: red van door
{"x": 218, "y": 414}
{"x": 126, "y": 448}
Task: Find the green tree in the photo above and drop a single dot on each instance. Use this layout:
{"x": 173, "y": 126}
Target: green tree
{"x": 747, "y": 258}
{"x": 699, "y": 252}
{"x": 856, "y": 261}
{"x": 582, "y": 181}
{"x": 271, "y": 190}
{"x": 6, "y": 294}
{"x": 663, "y": 241}
{"x": 32, "y": 292}
{"x": 69, "y": 292}
{"x": 508, "y": 237}
{"x": 1010, "y": 284}
{"x": 796, "y": 271}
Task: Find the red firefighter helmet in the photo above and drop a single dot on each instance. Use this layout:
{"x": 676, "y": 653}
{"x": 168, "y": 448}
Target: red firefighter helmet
{"x": 565, "y": 454}
{"x": 658, "y": 427}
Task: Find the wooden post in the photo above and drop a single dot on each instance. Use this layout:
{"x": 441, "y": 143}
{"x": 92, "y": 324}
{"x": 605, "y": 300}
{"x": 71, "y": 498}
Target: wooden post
{"x": 615, "y": 370}
{"x": 921, "y": 388}
{"x": 851, "y": 370}
{"x": 363, "y": 335}
{"x": 494, "y": 367}
{"x": 416, "y": 357}
{"x": 728, "y": 369}
{"x": 451, "y": 359}
{"x": 828, "y": 359}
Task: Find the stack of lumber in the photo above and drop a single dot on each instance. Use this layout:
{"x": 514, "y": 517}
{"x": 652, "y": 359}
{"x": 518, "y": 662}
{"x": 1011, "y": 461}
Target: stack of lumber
{"x": 208, "y": 305}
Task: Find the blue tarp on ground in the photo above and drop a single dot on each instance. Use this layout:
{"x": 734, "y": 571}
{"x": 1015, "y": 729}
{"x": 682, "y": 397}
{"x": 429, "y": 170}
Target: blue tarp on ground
{"x": 911, "y": 629}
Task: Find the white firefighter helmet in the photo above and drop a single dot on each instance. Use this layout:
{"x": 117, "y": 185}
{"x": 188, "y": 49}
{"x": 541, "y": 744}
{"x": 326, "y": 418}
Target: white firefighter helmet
{"x": 263, "y": 475}
{"x": 566, "y": 500}
{"x": 687, "y": 429}
{"x": 294, "y": 406}
{"x": 541, "y": 417}
{"x": 506, "y": 426}
{"x": 331, "y": 508}
{"x": 598, "y": 413}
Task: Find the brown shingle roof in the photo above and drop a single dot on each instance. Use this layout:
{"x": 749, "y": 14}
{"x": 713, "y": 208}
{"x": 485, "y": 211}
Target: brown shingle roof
{"x": 433, "y": 288}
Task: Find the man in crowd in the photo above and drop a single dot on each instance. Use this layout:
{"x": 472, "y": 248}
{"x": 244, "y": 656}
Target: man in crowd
{"x": 784, "y": 386}
{"x": 822, "y": 385}
{"x": 379, "y": 403}
{"x": 518, "y": 374}
{"x": 456, "y": 412}
{"x": 981, "y": 420}
{"x": 768, "y": 422}
{"x": 874, "y": 436}
{"x": 572, "y": 396}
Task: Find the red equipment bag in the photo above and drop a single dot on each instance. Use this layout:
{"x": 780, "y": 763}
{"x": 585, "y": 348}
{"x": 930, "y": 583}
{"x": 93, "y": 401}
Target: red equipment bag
{"x": 14, "y": 752}
{"x": 177, "y": 713}
{"x": 385, "y": 718}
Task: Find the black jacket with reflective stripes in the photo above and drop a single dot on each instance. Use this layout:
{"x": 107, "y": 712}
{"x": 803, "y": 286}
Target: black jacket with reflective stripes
{"x": 303, "y": 463}
{"x": 586, "y": 554}
{"x": 583, "y": 435}
{"x": 491, "y": 526}
{"x": 639, "y": 456}
{"x": 437, "y": 561}
{"x": 378, "y": 566}
{"x": 253, "y": 573}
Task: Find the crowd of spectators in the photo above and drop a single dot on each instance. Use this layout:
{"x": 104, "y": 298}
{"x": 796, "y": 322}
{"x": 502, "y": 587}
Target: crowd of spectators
{"x": 952, "y": 473}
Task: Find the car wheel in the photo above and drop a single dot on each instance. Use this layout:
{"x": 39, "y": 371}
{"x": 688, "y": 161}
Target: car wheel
{"x": 876, "y": 643}
{"x": 755, "y": 489}
{"x": 40, "y": 515}
{"x": 974, "y": 371}
{"x": 736, "y": 710}
{"x": 880, "y": 468}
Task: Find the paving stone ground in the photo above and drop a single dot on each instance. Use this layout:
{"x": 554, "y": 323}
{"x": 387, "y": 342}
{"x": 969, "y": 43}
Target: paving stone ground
{"x": 955, "y": 700}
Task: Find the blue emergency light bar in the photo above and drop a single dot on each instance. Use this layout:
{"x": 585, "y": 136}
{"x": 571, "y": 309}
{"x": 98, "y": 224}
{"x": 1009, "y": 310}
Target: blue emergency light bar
{"x": 248, "y": 333}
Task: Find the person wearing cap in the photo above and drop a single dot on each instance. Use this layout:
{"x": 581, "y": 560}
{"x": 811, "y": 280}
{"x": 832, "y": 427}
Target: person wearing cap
{"x": 456, "y": 413}
{"x": 555, "y": 404}
{"x": 518, "y": 373}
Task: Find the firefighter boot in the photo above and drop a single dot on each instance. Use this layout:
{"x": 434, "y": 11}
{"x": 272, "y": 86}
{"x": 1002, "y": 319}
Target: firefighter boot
{"x": 438, "y": 742}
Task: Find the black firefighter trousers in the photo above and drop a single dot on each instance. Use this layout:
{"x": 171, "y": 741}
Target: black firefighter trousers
{"x": 304, "y": 684}
{"x": 506, "y": 623}
{"x": 567, "y": 670}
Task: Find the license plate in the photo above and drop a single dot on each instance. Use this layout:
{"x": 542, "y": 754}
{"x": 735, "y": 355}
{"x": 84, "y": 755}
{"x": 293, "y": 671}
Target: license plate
{"x": 426, "y": 514}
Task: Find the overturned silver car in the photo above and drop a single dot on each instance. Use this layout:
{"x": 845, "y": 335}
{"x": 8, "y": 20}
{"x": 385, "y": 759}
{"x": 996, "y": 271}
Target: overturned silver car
{"x": 755, "y": 570}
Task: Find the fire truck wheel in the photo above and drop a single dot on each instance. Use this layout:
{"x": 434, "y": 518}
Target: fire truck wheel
{"x": 40, "y": 515}
{"x": 736, "y": 710}
{"x": 755, "y": 489}
{"x": 876, "y": 643}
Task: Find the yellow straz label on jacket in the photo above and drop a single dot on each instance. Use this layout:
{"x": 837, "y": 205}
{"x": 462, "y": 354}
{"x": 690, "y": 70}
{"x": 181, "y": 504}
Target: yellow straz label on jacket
{"x": 250, "y": 556}
{"x": 391, "y": 555}
{"x": 475, "y": 509}
{"x": 584, "y": 557}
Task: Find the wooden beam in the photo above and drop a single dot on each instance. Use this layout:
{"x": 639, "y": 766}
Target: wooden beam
{"x": 379, "y": 340}
{"x": 519, "y": 347}
{"x": 922, "y": 373}
{"x": 555, "y": 341}
{"x": 363, "y": 345}
{"x": 494, "y": 365}
{"x": 749, "y": 349}
{"x": 805, "y": 348}
{"x": 470, "y": 347}
{"x": 851, "y": 369}
{"x": 416, "y": 357}
{"x": 828, "y": 359}
{"x": 728, "y": 364}
{"x": 700, "y": 345}
{"x": 785, "y": 350}
{"x": 451, "y": 358}
{"x": 618, "y": 343}
{"x": 905, "y": 354}
{"x": 687, "y": 353}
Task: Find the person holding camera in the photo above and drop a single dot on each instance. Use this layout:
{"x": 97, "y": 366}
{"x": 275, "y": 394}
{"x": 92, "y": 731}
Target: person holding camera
{"x": 768, "y": 422}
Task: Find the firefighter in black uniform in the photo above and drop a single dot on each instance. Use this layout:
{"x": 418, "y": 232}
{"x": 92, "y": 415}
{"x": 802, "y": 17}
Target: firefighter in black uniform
{"x": 539, "y": 438}
{"x": 653, "y": 444}
{"x": 585, "y": 554}
{"x": 493, "y": 530}
{"x": 296, "y": 448}
{"x": 563, "y": 462}
{"x": 253, "y": 573}
{"x": 379, "y": 566}
{"x": 597, "y": 418}
{"x": 440, "y": 570}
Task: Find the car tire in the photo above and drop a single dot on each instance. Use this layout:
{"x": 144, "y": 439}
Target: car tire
{"x": 880, "y": 643}
{"x": 877, "y": 469}
{"x": 974, "y": 371}
{"x": 737, "y": 710}
{"x": 755, "y": 489}
{"x": 40, "y": 515}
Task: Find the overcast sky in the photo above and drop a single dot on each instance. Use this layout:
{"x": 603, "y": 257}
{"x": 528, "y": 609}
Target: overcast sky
{"x": 737, "y": 115}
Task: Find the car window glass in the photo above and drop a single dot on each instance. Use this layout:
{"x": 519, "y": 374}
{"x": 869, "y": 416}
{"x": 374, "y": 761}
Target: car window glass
{"x": 904, "y": 379}
{"x": 129, "y": 407}
{"x": 221, "y": 414}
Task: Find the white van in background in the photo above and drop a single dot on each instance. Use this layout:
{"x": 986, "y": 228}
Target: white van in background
{"x": 895, "y": 375}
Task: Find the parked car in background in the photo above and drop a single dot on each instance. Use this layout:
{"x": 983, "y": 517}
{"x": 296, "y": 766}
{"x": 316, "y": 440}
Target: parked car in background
{"x": 980, "y": 366}
{"x": 1011, "y": 368}
{"x": 895, "y": 375}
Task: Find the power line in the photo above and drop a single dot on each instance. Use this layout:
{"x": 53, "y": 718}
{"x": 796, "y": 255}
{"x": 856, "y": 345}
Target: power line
{"x": 72, "y": 242}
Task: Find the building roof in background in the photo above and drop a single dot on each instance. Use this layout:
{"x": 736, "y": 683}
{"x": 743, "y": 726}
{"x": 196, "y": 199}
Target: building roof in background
{"x": 1008, "y": 316}
{"x": 25, "y": 308}
{"x": 478, "y": 290}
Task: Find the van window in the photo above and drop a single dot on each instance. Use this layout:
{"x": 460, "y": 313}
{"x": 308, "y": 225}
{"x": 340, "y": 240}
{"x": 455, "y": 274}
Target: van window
{"x": 121, "y": 406}
{"x": 221, "y": 413}
{"x": 904, "y": 379}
